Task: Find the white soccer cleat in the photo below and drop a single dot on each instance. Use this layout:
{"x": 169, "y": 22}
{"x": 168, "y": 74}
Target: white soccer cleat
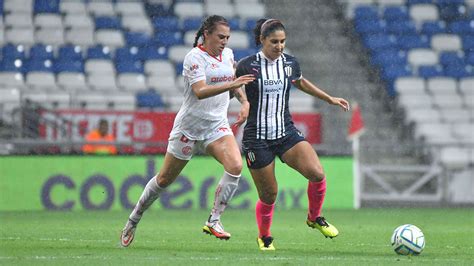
{"x": 216, "y": 229}
{"x": 128, "y": 233}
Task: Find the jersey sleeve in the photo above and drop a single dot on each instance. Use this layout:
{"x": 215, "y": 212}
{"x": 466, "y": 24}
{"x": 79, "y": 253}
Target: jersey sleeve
{"x": 240, "y": 70}
{"x": 297, "y": 75}
{"x": 193, "y": 69}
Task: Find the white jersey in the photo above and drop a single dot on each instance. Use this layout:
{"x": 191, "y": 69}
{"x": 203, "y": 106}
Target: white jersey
{"x": 197, "y": 119}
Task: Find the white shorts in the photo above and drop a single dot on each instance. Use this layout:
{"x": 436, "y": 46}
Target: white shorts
{"x": 183, "y": 148}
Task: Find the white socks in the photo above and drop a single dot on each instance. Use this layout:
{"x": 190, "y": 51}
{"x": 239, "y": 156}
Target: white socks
{"x": 151, "y": 192}
{"x": 224, "y": 192}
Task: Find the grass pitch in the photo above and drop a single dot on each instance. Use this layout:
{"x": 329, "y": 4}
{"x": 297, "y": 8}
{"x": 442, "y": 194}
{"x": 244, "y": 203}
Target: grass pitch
{"x": 175, "y": 238}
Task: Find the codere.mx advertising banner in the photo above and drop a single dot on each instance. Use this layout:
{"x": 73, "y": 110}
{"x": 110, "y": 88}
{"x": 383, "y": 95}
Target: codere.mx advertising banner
{"x": 113, "y": 183}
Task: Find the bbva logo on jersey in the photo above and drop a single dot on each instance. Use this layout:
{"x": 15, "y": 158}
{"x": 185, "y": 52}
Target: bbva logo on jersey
{"x": 288, "y": 70}
{"x": 270, "y": 82}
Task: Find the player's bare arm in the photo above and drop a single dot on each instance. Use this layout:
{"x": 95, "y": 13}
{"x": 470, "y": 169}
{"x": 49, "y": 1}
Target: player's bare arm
{"x": 311, "y": 89}
{"x": 239, "y": 93}
{"x": 203, "y": 90}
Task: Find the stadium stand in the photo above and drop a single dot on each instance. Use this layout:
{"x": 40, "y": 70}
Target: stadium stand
{"x": 424, "y": 50}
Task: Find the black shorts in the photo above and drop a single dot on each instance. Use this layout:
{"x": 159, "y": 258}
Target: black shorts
{"x": 260, "y": 153}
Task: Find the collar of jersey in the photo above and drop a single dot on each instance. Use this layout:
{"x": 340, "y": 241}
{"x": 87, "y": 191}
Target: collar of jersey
{"x": 215, "y": 57}
{"x": 270, "y": 61}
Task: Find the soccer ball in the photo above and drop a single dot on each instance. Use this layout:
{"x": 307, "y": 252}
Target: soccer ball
{"x": 408, "y": 239}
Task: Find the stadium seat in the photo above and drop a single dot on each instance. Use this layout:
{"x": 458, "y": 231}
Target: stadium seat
{"x": 131, "y": 81}
{"x": 41, "y": 51}
{"x": 137, "y": 39}
{"x": 83, "y": 37}
{"x": 24, "y": 36}
{"x": 11, "y": 51}
{"x": 46, "y": 6}
{"x": 165, "y": 85}
{"x": 129, "y": 67}
{"x": 48, "y": 21}
{"x": 396, "y": 13}
{"x": 50, "y": 36}
{"x": 407, "y": 42}
{"x": 422, "y": 116}
{"x": 9, "y": 101}
{"x": 224, "y": 9}
{"x": 149, "y": 99}
{"x": 19, "y": 20}
{"x": 70, "y": 52}
{"x": 442, "y": 85}
{"x": 129, "y": 9}
{"x": 127, "y": 53}
{"x": 106, "y": 22}
{"x": 137, "y": 24}
{"x": 167, "y": 38}
{"x": 153, "y": 52}
{"x": 111, "y": 38}
{"x": 162, "y": 68}
{"x": 422, "y": 56}
{"x": 12, "y": 65}
{"x": 456, "y": 115}
{"x": 101, "y": 8}
{"x": 67, "y": 65}
{"x": 189, "y": 9}
{"x": 466, "y": 86}
{"x": 72, "y": 7}
{"x": 401, "y": 27}
{"x": 71, "y": 81}
{"x": 459, "y": 71}
{"x": 423, "y": 12}
{"x": 366, "y": 12}
{"x": 435, "y": 133}
{"x": 78, "y": 20}
{"x": 447, "y": 101}
{"x": 166, "y": 24}
{"x": 98, "y": 52}
{"x": 446, "y": 42}
{"x": 239, "y": 40}
{"x": 99, "y": 66}
{"x": 178, "y": 52}
{"x": 191, "y": 24}
{"x": 464, "y": 130}
{"x": 433, "y": 27}
{"x": 410, "y": 86}
{"x": 430, "y": 71}
{"x": 18, "y": 6}
{"x": 39, "y": 80}
{"x": 11, "y": 79}
{"x": 243, "y": 11}
{"x": 99, "y": 81}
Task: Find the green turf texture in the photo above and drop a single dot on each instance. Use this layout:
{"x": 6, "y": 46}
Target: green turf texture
{"x": 175, "y": 238}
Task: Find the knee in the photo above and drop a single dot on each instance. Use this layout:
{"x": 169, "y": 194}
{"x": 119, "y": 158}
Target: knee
{"x": 234, "y": 168}
{"x": 315, "y": 174}
{"x": 268, "y": 197}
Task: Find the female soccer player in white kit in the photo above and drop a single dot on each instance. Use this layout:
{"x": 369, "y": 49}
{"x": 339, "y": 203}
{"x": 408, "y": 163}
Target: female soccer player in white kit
{"x": 202, "y": 122}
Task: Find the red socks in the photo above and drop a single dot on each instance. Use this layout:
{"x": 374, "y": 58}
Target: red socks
{"x": 264, "y": 214}
{"x": 316, "y": 194}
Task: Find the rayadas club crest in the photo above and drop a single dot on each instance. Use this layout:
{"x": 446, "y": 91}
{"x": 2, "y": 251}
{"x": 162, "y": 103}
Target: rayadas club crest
{"x": 288, "y": 70}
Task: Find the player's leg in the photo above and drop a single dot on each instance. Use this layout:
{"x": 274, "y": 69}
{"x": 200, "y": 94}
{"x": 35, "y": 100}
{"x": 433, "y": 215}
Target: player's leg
{"x": 304, "y": 159}
{"x": 226, "y": 151}
{"x": 267, "y": 188}
{"x": 178, "y": 154}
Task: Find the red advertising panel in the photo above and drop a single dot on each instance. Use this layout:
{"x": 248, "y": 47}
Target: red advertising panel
{"x": 141, "y": 126}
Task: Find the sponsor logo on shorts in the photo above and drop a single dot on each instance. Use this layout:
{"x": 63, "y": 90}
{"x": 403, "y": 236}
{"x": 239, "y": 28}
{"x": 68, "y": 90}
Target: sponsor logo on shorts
{"x": 299, "y": 133}
{"x": 251, "y": 156}
{"x": 223, "y": 129}
{"x": 186, "y": 150}
{"x": 184, "y": 139}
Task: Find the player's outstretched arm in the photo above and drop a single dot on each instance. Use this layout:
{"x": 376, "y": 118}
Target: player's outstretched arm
{"x": 203, "y": 90}
{"x": 311, "y": 89}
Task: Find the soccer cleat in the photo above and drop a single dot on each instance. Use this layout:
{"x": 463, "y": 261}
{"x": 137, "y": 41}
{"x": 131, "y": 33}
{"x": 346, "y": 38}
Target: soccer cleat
{"x": 327, "y": 229}
{"x": 128, "y": 233}
{"x": 216, "y": 229}
{"x": 265, "y": 243}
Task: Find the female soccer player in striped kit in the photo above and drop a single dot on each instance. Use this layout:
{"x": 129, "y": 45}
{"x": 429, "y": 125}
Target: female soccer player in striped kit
{"x": 270, "y": 131}
{"x": 202, "y": 122}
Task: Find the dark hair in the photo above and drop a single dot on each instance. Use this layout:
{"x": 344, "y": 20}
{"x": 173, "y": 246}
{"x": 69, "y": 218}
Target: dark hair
{"x": 265, "y": 27}
{"x": 209, "y": 24}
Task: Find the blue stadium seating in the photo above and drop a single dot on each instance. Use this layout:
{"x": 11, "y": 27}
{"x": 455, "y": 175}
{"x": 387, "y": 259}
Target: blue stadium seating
{"x": 11, "y": 51}
{"x": 126, "y": 66}
{"x": 127, "y": 54}
{"x": 169, "y": 23}
{"x": 12, "y": 65}
{"x": 41, "y": 51}
{"x": 70, "y": 52}
{"x": 396, "y": 13}
{"x": 67, "y": 65}
{"x": 407, "y": 42}
{"x": 137, "y": 39}
{"x": 191, "y": 24}
{"x": 430, "y": 71}
{"x": 149, "y": 99}
{"x": 39, "y": 65}
{"x": 168, "y": 38}
{"x": 433, "y": 27}
{"x": 104, "y": 22}
{"x": 98, "y": 52}
{"x": 46, "y": 6}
